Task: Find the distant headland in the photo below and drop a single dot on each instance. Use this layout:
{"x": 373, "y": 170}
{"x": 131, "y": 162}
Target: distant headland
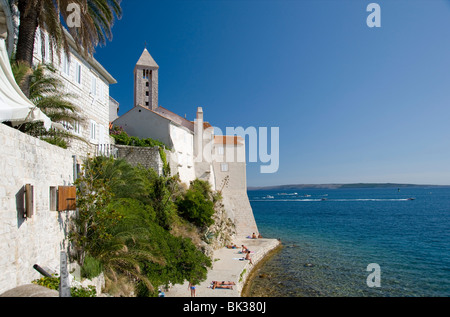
{"x": 339, "y": 186}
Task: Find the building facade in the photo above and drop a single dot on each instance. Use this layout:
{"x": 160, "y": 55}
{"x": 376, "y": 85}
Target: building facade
{"x": 36, "y": 178}
{"x": 88, "y": 82}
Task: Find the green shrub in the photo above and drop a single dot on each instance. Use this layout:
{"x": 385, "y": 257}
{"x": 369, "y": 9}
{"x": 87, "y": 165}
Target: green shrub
{"x": 122, "y": 138}
{"x": 90, "y": 291}
{"x": 196, "y": 208}
{"x": 91, "y": 267}
{"x": 53, "y": 283}
{"x": 49, "y": 282}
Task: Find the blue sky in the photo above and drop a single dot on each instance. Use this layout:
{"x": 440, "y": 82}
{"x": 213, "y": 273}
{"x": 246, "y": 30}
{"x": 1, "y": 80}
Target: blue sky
{"x": 353, "y": 103}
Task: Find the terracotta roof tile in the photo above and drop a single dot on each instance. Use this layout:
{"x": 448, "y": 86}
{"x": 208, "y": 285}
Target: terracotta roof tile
{"x": 228, "y": 139}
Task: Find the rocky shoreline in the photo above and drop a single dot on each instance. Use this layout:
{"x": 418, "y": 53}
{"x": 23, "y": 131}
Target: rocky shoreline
{"x": 246, "y": 290}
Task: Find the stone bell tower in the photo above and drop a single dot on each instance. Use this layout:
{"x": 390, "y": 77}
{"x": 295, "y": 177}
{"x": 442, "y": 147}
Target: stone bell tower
{"x": 146, "y": 82}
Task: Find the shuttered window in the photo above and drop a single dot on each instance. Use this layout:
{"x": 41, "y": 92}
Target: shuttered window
{"x": 78, "y": 72}
{"x": 67, "y": 196}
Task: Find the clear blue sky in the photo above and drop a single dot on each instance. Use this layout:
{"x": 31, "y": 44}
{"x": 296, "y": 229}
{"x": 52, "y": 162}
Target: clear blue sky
{"x": 353, "y": 103}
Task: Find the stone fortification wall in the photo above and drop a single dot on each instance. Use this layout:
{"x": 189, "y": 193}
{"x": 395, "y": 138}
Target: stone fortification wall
{"x": 39, "y": 239}
{"x": 240, "y": 211}
{"x": 232, "y": 183}
{"x": 148, "y": 157}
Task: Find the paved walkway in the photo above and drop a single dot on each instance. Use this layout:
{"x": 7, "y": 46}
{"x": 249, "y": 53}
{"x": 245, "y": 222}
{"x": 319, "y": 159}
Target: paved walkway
{"x": 227, "y": 266}
{"x": 30, "y": 290}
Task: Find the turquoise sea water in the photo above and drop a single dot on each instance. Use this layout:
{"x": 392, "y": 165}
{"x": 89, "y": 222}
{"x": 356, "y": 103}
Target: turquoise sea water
{"x": 329, "y": 243}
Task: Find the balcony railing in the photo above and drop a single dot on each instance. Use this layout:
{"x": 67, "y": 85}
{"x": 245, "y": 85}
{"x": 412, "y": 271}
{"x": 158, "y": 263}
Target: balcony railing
{"x": 106, "y": 150}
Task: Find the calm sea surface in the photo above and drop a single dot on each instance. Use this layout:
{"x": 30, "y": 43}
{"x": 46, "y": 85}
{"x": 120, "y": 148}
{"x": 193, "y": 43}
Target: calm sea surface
{"x": 329, "y": 243}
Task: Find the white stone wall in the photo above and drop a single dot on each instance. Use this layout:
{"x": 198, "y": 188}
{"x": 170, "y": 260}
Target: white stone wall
{"x": 39, "y": 239}
{"x": 183, "y": 147}
{"x": 143, "y": 123}
{"x": 230, "y": 174}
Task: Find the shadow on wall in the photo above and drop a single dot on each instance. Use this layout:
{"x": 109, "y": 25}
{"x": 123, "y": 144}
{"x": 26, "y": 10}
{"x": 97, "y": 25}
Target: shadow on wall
{"x": 20, "y": 206}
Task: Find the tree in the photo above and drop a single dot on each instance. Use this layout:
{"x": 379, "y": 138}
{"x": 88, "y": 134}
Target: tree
{"x": 91, "y": 223}
{"x": 96, "y": 20}
{"x": 121, "y": 229}
{"x": 46, "y": 92}
{"x": 197, "y": 205}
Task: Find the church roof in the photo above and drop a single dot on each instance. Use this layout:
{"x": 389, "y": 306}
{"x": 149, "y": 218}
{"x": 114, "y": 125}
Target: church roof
{"x": 146, "y": 60}
{"x": 174, "y": 117}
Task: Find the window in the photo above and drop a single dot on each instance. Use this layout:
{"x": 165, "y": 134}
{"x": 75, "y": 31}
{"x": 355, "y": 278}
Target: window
{"x": 77, "y": 72}
{"x": 220, "y": 150}
{"x": 147, "y": 93}
{"x": 38, "y": 43}
{"x": 101, "y": 134}
{"x": 224, "y": 167}
{"x": 77, "y": 128}
{"x": 147, "y": 84}
{"x": 53, "y": 199}
{"x": 93, "y": 85}
{"x": 93, "y": 133}
{"x": 73, "y": 128}
{"x": 66, "y": 65}
{"x": 45, "y": 48}
{"x": 101, "y": 92}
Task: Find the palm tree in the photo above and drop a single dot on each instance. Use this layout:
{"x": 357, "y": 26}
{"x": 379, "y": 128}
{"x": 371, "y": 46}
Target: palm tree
{"x": 46, "y": 92}
{"x": 121, "y": 242}
{"x": 96, "y": 20}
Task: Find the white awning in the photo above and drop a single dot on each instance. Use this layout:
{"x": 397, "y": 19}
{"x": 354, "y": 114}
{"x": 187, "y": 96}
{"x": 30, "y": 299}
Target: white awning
{"x": 14, "y": 105}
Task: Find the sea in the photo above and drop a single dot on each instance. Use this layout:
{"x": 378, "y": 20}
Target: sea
{"x": 355, "y": 242}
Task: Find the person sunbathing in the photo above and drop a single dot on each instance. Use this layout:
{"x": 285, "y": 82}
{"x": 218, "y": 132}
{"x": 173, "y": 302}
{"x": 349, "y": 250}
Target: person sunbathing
{"x": 224, "y": 283}
{"x": 247, "y": 257}
{"x": 217, "y": 285}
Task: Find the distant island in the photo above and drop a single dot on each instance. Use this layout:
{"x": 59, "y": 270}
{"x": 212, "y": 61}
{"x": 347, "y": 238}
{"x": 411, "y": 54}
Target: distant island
{"x": 338, "y": 186}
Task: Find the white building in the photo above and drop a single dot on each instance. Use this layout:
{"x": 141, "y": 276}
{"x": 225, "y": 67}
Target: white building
{"x": 113, "y": 109}
{"x": 167, "y": 127}
{"x": 148, "y": 120}
{"x": 89, "y": 82}
{"x": 196, "y": 153}
{"x": 36, "y": 178}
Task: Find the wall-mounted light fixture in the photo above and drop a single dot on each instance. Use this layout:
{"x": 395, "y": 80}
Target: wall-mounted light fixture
{"x": 29, "y": 201}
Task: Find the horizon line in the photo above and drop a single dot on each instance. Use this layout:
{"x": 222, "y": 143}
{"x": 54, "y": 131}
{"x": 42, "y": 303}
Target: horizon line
{"x": 344, "y": 184}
